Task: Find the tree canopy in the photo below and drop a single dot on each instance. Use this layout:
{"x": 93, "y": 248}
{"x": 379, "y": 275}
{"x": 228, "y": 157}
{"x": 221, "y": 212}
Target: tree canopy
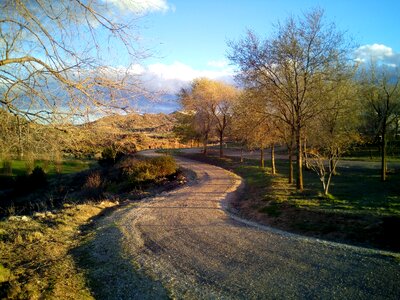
{"x": 292, "y": 67}
{"x": 55, "y": 56}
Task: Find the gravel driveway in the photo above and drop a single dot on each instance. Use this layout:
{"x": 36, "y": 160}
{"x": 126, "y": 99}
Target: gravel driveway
{"x": 186, "y": 242}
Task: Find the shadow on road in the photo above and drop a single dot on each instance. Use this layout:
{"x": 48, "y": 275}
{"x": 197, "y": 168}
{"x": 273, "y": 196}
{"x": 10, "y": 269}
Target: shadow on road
{"x": 110, "y": 273}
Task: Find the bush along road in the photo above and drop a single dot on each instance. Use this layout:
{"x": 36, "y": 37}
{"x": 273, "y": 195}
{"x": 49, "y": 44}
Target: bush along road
{"x": 183, "y": 244}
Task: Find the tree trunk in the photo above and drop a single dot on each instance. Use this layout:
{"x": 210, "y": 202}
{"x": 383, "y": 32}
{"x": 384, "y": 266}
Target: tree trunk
{"x": 324, "y": 186}
{"x": 383, "y": 152}
{"x": 205, "y": 142}
{"x": 290, "y": 166}
{"x": 306, "y": 163}
{"x": 241, "y": 153}
{"x": 299, "y": 163}
{"x": 273, "y": 168}
{"x": 221, "y": 139}
{"x": 20, "y": 146}
{"x": 328, "y": 182}
{"x": 332, "y": 168}
{"x": 332, "y": 164}
{"x": 262, "y": 157}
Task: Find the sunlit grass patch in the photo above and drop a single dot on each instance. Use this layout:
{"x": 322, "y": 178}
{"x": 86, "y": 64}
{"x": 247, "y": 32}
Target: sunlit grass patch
{"x": 305, "y": 203}
{"x": 35, "y": 258}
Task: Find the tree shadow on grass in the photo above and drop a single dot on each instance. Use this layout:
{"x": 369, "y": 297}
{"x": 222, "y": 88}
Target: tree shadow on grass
{"x": 110, "y": 272}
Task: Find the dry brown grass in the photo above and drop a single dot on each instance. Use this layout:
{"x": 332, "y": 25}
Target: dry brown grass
{"x": 35, "y": 258}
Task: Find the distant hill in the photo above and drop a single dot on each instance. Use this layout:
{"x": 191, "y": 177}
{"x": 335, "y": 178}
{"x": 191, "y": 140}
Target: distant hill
{"x": 128, "y": 133}
{"x": 131, "y": 131}
{"x": 134, "y": 123}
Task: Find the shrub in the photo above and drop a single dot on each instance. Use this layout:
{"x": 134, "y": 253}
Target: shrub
{"x": 109, "y": 156}
{"x": 164, "y": 165}
{"x": 6, "y": 182}
{"x": 28, "y": 183}
{"x": 93, "y": 181}
{"x": 22, "y": 185}
{"x": 38, "y": 177}
{"x": 93, "y": 186}
{"x": 150, "y": 169}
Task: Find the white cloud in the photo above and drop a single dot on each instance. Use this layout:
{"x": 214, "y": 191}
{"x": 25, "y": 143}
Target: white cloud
{"x": 135, "y": 69}
{"x": 377, "y": 52}
{"x": 141, "y": 6}
{"x": 170, "y": 78}
{"x": 218, "y": 63}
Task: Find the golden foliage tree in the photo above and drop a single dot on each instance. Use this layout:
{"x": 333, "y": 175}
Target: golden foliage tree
{"x": 211, "y": 103}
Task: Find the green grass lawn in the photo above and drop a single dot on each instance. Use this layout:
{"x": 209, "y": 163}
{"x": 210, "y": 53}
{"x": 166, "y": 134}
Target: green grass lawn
{"x": 353, "y": 189}
{"x": 67, "y": 166}
{"x": 358, "y": 190}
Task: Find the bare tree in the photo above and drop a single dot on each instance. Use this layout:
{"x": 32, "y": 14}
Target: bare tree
{"x": 290, "y": 65}
{"x": 27, "y": 140}
{"x": 380, "y": 90}
{"x": 55, "y": 57}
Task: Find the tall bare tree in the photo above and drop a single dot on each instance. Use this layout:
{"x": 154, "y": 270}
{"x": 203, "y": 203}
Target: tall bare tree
{"x": 55, "y": 57}
{"x": 23, "y": 140}
{"x": 290, "y": 65}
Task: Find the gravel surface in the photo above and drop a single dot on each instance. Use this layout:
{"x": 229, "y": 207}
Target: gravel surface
{"x": 186, "y": 241}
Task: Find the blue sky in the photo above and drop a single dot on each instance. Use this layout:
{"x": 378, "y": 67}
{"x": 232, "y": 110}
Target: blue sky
{"x": 188, "y": 39}
{"x": 195, "y": 32}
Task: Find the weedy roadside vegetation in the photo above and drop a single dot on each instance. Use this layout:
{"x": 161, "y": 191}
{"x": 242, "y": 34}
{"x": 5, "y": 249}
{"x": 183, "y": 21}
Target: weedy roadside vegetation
{"x": 36, "y": 242}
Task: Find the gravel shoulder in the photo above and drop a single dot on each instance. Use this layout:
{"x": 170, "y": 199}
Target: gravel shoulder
{"x": 183, "y": 244}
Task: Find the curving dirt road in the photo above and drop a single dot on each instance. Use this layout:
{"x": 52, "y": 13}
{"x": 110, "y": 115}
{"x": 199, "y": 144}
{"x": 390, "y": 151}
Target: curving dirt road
{"x": 186, "y": 241}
